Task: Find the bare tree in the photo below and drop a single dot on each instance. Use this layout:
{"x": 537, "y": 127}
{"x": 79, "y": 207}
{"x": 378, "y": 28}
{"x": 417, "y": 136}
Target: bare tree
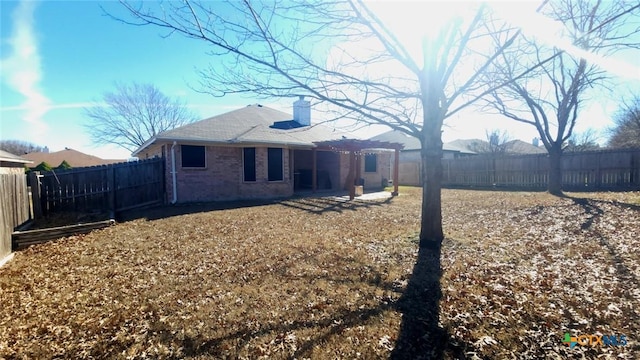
{"x": 134, "y": 113}
{"x": 341, "y": 53}
{"x": 498, "y": 141}
{"x": 495, "y": 143}
{"x": 584, "y": 141}
{"x": 626, "y": 131}
{"x": 20, "y": 147}
{"x": 550, "y": 97}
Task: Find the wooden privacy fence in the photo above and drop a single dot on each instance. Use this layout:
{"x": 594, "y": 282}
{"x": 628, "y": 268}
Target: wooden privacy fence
{"x": 581, "y": 171}
{"x": 112, "y": 188}
{"x": 14, "y": 208}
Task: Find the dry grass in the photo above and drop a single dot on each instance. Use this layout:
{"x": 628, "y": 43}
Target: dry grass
{"x": 317, "y": 278}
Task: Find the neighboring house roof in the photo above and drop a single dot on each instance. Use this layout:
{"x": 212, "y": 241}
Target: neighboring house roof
{"x": 450, "y": 146}
{"x": 473, "y": 145}
{"x": 510, "y": 147}
{"x": 521, "y": 147}
{"x": 72, "y": 157}
{"x": 464, "y": 146}
{"x": 11, "y": 158}
{"x": 412, "y": 143}
{"x": 254, "y": 124}
{"x": 409, "y": 142}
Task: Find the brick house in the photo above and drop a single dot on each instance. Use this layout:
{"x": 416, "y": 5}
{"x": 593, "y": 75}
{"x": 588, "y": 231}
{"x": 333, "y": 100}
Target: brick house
{"x": 259, "y": 152}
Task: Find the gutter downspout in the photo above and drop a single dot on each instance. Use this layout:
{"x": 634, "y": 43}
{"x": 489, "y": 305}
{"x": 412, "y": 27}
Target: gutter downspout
{"x": 173, "y": 173}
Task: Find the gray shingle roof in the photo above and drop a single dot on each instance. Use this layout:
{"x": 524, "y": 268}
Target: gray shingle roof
{"x": 9, "y": 157}
{"x": 521, "y": 147}
{"x": 510, "y": 147}
{"x": 409, "y": 142}
{"x": 253, "y": 124}
{"x": 465, "y": 146}
{"x": 412, "y": 143}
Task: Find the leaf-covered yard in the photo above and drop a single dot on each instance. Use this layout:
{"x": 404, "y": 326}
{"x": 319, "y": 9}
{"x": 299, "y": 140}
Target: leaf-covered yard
{"x": 321, "y": 278}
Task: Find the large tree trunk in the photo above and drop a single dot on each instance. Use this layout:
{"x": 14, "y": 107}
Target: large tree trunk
{"x": 554, "y": 185}
{"x": 431, "y": 234}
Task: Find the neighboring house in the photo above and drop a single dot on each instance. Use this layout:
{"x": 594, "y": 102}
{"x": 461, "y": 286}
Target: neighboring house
{"x": 73, "y": 157}
{"x": 410, "y": 167}
{"x": 12, "y": 164}
{"x": 521, "y": 147}
{"x": 260, "y": 152}
{"x": 410, "y": 162}
{"x": 513, "y": 147}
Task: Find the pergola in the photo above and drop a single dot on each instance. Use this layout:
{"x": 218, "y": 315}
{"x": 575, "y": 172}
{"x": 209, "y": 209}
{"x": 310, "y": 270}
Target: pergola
{"x": 355, "y": 147}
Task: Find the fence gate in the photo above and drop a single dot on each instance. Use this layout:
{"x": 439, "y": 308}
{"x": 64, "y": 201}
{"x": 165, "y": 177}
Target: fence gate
{"x": 112, "y": 188}
{"x": 14, "y": 207}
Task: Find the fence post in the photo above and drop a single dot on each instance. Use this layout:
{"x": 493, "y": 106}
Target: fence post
{"x": 634, "y": 173}
{"x": 35, "y": 194}
{"x": 598, "y": 172}
{"x": 112, "y": 192}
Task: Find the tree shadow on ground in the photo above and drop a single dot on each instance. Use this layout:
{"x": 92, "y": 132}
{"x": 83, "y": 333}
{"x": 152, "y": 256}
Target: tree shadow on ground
{"x": 325, "y": 328}
{"x": 166, "y": 211}
{"x": 594, "y": 212}
{"x": 316, "y": 203}
{"x": 343, "y": 318}
{"x": 331, "y": 204}
{"x": 421, "y": 336}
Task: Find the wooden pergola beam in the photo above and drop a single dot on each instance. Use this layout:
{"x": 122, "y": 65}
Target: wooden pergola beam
{"x": 355, "y": 147}
{"x": 351, "y": 177}
{"x": 396, "y": 172}
{"x": 314, "y": 170}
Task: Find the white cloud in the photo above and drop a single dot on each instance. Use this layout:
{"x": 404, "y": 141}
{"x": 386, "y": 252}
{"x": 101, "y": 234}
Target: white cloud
{"x": 48, "y": 107}
{"x": 21, "y": 70}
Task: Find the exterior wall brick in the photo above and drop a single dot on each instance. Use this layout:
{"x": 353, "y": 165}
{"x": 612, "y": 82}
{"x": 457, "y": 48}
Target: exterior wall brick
{"x": 373, "y": 180}
{"x": 222, "y": 177}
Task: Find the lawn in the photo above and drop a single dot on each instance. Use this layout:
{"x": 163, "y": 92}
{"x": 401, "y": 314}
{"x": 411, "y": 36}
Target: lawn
{"x": 321, "y": 278}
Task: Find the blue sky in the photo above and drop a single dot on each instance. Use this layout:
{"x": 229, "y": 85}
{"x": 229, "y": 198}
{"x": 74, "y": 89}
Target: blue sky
{"x": 59, "y": 56}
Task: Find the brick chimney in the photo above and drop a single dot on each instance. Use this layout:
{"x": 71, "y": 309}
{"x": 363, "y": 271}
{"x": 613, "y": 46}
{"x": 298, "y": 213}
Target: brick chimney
{"x": 302, "y": 111}
{"x": 535, "y": 142}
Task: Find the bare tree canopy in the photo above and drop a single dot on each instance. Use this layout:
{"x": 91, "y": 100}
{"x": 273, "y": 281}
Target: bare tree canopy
{"x": 498, "y": 140}
{"x": 626, "y": 130}
{"x": 20, "y": 147}
{"x": 550, "y": 97}
{"x": 351, "y": 56}
{"x": 348, "y": 56}
{"x": 132, "y": 114}
{"x": 583, "y": 141}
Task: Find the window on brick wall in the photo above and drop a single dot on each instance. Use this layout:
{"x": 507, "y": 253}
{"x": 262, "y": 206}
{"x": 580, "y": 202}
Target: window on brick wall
{"x": 249, "y": 160}
{"x": 275, "y": 164}
{"x": 193, "y": 156}
{"x": 370, "y": 163}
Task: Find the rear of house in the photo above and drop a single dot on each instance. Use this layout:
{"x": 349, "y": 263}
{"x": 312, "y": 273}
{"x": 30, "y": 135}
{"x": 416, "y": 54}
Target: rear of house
{"x": 257, "y": 152}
